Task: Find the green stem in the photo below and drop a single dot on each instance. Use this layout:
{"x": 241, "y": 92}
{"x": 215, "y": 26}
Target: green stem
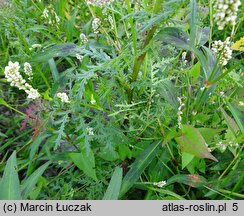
{"x": 231, "y": 193}
{"x": 211, "y": 21}
{"x": 133, "y": 31}
{"x": 230, "y": 165}
{"x": 139, "y": 60}
{"x": 228, "y": 71}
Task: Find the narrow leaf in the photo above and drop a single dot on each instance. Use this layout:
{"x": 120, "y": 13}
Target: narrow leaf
{"x": 175, "y": 36}
{"x": 29, "y": 184}
{"x": 53, "y": 69}
{"x": 112, "y": 192}
{"x": 192, "y": 180}
{"x": 168, "y": 192}
{"x": 193, "y": 20}
{"x": 238, "y": 116}
{"x": 140, "y": 164}
{"x": 230, "y": 122}
{"x": 10, "y": 185}
{"x": 59, "y": 50}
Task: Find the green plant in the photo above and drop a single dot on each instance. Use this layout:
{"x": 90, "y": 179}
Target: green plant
{"x": 134, "y": 87}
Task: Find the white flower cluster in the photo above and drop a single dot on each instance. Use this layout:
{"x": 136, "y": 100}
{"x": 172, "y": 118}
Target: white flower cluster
{"x": 179, "y": 113}
{"x": 90, "y": 131}
{"x": 110, "y": 21}
{"x": 51, "y": 16}
{"x": 15, "y": 79}
{"x": 35, "y": 46}
{"x": 95, "y": 25}
{"x": 241, "y": 103}
{"x": 226, "y": 12}
{"x": 79, "y": 57}
{"x": 160, "y": 184}
{"x": 63, "y": 97}
{"x": 28, "y": 70}
{"x": 99, "y": 3}
{"x": 183, "y": 56}
{"x": 223, "y": 50}
{"x": 93, "y": 101}
{"x": 83, "y": 38}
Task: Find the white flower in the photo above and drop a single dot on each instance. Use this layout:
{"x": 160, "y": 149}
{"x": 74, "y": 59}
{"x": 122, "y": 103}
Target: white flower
{"x": 99, "y": 3}
{"x": 63, "y": 97}
{"x": 50, "y": 16}
{"x": 160, "y": 184}
{"x": 34, "y": 46}
{"x": 93, "y": 101}
{"x": 222, "y": 50}
{"x": 28, "y": 70}
{"x": 222, "y": 94}
{"x": 95, "y": 25}
{"x": 15, "y": 79}
{"x": 241, "y": 103}
{"x": 179, "y": 113}
{"x": 83, "y": 38}
{"x": 90, "y": 131}
{"x": 45, "y": 13}
{"x": 79, "y": 57}
{"x": 32, "y": 93}
{"x": 226, "y": 12}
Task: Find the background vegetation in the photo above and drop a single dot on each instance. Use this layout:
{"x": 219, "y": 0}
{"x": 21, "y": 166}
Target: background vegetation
{"x": 151, "y": 112}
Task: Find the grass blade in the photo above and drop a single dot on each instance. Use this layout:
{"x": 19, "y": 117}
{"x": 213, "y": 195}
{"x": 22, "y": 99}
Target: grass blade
{"x": 112, "y": 192}
{"x": 193, "y": 20}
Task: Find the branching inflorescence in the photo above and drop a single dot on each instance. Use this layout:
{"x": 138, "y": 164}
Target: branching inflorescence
{"x": 226, "y": 12}
{"x": 15, "y": 79}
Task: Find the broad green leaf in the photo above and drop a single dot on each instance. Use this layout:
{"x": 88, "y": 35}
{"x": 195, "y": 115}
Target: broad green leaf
{"x": 31, "y": 181}
{"x": 193, "y": 143}
{"x": 238, "y": 116}
{"x": 113, "y": 189}
{"x": 186, "y": 159}
{"x": 85, "y": 162}
{"x": 59, "y": 50}
{"x": 192, "y": 180}
{"x": 10, "y": 185}
{"x": 140, "y": 164}
{"x": 209, "y": 133}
